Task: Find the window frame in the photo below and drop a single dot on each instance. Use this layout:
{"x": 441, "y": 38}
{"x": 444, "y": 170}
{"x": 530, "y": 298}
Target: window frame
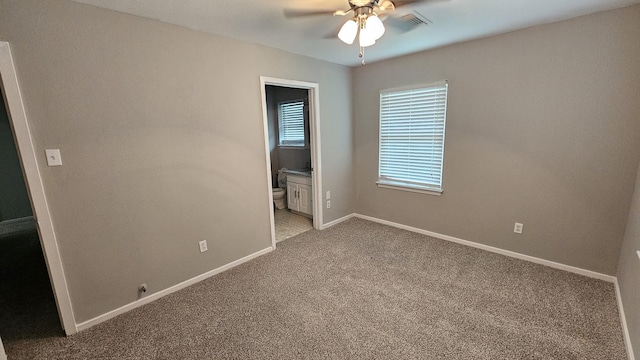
{"x": 305, "y": 142}
{"x": 406, "y": 185}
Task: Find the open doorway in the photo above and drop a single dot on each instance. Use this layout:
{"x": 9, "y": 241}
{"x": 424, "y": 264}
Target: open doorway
{"x": 292, "y": 138}
{"x": 26, "y": 298}
{"x": 14, "y": 108}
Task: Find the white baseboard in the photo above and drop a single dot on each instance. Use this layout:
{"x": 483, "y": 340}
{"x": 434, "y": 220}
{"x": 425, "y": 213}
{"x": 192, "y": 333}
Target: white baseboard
{"x": 623, "y": 321}
{"x": 337, "y": 221}
{"x": 113, "y": 313}
{"x": 17, "y": 226}
{"x": 18, "y": 220}
{"x": 555, "y": 265}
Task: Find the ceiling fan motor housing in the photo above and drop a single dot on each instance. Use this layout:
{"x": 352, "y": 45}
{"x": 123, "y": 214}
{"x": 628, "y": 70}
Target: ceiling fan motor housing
{"x": 363, "y": 11}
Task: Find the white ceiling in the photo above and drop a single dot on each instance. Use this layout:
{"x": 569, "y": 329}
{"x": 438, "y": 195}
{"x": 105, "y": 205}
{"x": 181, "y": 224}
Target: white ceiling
{"x": 263, "y": 22}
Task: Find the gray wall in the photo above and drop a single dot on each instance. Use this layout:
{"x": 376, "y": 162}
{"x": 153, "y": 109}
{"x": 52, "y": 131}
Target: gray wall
{"x": 146, "y": 115}
{"x": 542, "y": 128}
{"x": 629, "y": 270}
{"x": 14, "y": 200}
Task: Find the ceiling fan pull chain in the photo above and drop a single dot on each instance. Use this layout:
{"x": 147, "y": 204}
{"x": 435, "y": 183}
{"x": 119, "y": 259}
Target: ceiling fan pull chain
{"x": 361, "y": 54}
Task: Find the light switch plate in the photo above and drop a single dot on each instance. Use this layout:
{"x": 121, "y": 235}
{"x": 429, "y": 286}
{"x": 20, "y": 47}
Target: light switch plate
{"x": 53, "y": 157}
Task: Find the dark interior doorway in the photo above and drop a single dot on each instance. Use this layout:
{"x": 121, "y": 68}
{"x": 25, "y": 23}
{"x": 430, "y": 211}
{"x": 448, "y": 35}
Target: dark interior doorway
{"x": 27, "y": 304}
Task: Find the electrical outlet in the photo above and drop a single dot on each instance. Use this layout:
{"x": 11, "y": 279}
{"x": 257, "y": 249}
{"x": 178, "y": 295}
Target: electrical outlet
{"x": 638, "y": 252}
{"x": 328, "y": 195}
{"x": 518, "y": 228}
{"x": 328, "y": 204}
{"x": 203, "y": 246}
{"x": 142, "y": 288}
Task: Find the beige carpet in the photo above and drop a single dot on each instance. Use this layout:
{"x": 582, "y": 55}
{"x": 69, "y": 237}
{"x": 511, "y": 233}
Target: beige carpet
{"x": 289, "y": 224}
{"x": 361, "y": 290}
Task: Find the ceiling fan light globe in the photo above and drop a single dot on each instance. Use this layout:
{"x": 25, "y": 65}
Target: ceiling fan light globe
{"x": 348, "y": 32}
{"x": 366, "y": 38}
{"x": 375, "y": 27}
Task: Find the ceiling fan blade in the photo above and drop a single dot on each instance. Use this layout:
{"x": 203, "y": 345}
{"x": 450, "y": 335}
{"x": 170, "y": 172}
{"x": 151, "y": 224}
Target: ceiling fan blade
{"x": 342, "y": 12}
{"x": 400, "y": 3}
{"x": 303, "y": 13}
{"x": 385, "y": 5}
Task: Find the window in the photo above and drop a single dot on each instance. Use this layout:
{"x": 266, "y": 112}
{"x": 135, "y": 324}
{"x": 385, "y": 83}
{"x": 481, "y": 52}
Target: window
{"x": 412, "y": 124}
{"x": 291, "y": 123}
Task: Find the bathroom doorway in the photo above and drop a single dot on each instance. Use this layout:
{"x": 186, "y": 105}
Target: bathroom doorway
{"x": 291, "y": 126}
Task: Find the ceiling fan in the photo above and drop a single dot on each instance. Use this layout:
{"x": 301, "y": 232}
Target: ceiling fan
{"x": 365, "y": 22}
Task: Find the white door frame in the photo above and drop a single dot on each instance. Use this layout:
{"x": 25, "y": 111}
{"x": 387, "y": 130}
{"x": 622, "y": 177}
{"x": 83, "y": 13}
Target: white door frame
{"x": 314, "y": 126}
{"x": 29, "y": 163}
{"x": 3, "y": 356}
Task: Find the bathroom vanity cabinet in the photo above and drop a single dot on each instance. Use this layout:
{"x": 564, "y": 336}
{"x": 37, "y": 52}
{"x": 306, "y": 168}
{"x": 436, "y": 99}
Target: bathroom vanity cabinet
{"x": 299, "y": 194}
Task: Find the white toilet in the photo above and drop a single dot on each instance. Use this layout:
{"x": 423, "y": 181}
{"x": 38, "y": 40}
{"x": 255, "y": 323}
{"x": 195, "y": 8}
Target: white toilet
{"x": 280, "y": 193}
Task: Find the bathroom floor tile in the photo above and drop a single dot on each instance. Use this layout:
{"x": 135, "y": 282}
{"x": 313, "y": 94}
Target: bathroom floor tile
{"x": 289, "y": 224}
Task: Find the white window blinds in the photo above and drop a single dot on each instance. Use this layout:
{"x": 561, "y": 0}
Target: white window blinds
{"x": 291, "y": 123}
{"x": 412, "y": 124}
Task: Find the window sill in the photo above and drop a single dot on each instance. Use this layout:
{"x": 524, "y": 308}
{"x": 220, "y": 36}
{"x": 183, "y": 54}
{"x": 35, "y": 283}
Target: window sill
{"x": 411, "y": 188}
